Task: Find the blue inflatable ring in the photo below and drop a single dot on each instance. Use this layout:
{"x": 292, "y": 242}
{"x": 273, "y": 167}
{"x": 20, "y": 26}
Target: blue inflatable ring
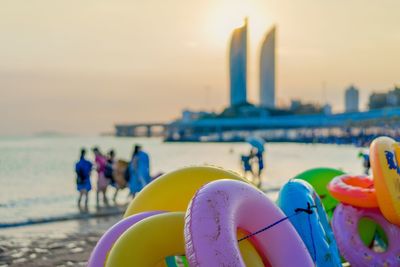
{"x": 312, "y": 226}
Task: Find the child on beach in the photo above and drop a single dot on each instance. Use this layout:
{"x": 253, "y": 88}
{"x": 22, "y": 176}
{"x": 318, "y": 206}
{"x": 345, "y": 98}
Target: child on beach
{"x": 83, "y": 169}
{"x": 246, "y": 165}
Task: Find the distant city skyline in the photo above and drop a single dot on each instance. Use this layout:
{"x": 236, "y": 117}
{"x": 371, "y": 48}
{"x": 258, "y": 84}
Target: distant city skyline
{"x": 82, "y": 66}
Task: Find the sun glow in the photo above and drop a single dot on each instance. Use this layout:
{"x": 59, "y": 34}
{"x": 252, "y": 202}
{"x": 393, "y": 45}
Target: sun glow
{"x": 225, "y": 16}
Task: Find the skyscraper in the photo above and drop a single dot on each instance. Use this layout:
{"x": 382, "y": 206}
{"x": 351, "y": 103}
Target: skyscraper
{"x": 238, "y": 65}
{"x": 351, "y": 99}
{"x": 267, "y": 71}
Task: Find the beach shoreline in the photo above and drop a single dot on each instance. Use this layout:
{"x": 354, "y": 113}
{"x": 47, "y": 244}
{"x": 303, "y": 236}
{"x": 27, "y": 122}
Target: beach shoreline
{"x": 58, "y": 244}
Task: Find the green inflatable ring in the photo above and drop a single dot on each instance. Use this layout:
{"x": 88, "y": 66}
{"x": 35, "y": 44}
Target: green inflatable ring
{"x": 319, "y": 179}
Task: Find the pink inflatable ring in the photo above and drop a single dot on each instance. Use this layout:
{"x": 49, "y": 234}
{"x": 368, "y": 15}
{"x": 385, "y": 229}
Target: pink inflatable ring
{"x": 220, "y": 208}
{"x": 345, "y": 224}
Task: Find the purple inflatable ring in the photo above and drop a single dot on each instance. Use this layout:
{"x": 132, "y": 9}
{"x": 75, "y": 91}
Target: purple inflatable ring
{"x": 345, "y": 226}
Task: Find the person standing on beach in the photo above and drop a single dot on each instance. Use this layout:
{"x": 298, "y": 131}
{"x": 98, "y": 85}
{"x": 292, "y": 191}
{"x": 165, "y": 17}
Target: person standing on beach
{"x": 259, "y": 155}
{"x": 143, "y": 165}
{"x": 366, "y": 162}
{"x": 139, "y": 170}
{"x": 110, "y": 166}
{"x": 83, "y": 169}
{"x": 245, "y": 161}
{"x": 246, "y": 165}
{"x": 102, "y": 182}
{"x": 111, "y": 171}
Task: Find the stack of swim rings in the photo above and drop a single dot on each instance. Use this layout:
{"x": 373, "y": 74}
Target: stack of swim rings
{"x": 204, "y": 216}
{"x": 207, "y": 216}
{"x": 377, "y": 199}
{"x": 319, "y": 178}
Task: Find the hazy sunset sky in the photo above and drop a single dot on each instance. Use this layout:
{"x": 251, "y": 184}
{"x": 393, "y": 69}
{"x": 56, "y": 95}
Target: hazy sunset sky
{"x": 79, "y": 66}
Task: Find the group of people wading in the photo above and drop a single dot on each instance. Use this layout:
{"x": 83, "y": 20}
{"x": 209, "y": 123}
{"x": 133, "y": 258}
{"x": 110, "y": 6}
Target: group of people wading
{"x": 119, "y": 174}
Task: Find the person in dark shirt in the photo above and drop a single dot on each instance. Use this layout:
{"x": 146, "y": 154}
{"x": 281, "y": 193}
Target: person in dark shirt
{"x": 109, "y": 169}
{"x": 83, "y": 169}
{"x": 247, "y": 166}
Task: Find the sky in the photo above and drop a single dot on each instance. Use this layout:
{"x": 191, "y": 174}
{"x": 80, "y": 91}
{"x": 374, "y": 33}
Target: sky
{"x": 80, "y": 66}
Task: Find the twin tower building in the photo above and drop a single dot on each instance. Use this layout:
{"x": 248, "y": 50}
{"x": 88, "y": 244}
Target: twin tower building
{"x": 238, "y": 68}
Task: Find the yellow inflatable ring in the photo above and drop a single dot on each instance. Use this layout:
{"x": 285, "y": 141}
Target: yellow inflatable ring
{"x": 248, "y": 251}
{"x": 148, "y": 242}
{"x": 385, "y": 157}
{"x": 173, "y": 191}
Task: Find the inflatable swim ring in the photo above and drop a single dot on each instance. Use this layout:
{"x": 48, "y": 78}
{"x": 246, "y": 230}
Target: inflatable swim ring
{"x": 319, "y": 179}
{"x": 344, "y": 223}
{"x": 385, "y": 156}
{"x": 314, "y": 228}
{"x": 220, "y": 208}
{"x": 355, "y": 190}
{"x": 161, "y": 194}
{"x": 151, "y": 240}
{"x": 99, "y": 254}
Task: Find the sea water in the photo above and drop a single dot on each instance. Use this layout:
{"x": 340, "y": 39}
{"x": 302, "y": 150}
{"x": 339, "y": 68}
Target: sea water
{"x": 37, "y": 178}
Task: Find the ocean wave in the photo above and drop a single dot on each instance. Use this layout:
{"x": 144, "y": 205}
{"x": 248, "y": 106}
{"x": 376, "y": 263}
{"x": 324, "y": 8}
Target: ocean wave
{"x": 26, "y": 202}
{"x": 102, "y": 212}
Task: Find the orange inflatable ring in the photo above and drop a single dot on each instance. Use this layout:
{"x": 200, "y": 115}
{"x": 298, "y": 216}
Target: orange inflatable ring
{"x": 355, "y": 190}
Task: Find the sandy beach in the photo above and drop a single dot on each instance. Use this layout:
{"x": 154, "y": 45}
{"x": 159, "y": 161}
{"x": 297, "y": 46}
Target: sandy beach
{"x": 52, "y": 244}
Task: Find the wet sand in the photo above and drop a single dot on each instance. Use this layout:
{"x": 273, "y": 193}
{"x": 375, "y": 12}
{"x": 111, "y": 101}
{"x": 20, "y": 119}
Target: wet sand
{"x": 53, "y": 244}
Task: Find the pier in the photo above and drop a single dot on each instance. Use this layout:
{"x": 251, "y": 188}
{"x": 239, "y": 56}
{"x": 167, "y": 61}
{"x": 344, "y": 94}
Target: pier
{"x": 140, "y": 129}
{"x": 318, "y": 128}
